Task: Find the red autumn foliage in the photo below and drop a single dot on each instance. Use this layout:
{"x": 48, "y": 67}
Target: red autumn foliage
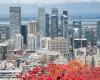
{"x": 71, "y": 71}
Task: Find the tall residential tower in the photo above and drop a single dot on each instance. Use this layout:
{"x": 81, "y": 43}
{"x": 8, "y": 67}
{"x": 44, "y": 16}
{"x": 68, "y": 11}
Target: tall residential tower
{"x": 54, "y": 23}
{"x": 15, "y": 20}
{"x": 41, "y": 20}
{"x": 64, "y": 24}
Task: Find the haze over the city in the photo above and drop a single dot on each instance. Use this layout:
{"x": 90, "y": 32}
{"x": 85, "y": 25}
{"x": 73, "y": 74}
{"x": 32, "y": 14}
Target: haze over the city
{"x": 29, "y": 7}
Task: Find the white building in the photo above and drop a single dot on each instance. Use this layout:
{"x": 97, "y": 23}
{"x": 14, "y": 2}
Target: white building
{"x": 47, "y": 56}
{"x": 18, "y": 42}
{"x": 9, "y": 74}
{"x": 32, "y": 27}
{"x": 89, "y": 60}
{"x": 38, "y": 38}
{"x": 98, "y": 50}
{"x": 80, "y": 54}
{"x": 97, "y": 60}
{"x": 57, "y": 44}
{"x": 44, "y": 42}
{"x": 31, "y": 42}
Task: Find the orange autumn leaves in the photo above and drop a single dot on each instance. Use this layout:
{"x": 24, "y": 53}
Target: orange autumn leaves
{"x": 71, "y": 71}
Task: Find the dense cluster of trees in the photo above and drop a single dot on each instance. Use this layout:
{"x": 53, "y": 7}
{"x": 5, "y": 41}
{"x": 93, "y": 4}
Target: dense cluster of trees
{"x": 71, "y": 71}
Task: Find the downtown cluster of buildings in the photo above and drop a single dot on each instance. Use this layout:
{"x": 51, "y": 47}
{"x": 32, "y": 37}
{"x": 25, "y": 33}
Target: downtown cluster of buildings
{"x": 52, "y": 37}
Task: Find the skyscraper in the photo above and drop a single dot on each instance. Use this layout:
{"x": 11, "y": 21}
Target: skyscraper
{"x": 64, "y": 24}
{"x": 32, "y": 27}
{"x": 78, "y": 29}
{"x": 47, "y": 24}
{"x": 54, "y": 23}
{"x": 90, "y": 35}
{"x": 24, "y": 33}
{"x": 15, "y": 20}
{"x": 98, "y": 31}
{"x": 65, "y": 13}
{"x": 41, "y": 20}
{"x": 4, "y": 32}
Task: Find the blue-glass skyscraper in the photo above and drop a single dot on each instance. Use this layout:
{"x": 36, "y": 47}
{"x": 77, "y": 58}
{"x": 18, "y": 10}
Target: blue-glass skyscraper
{"x": 54, "y": 23}
{"x": 47, "y": 16}
{"x": 78, "y": 26}
{"x": 98, "y": 31}
{"x": 24, "y": 33}
{"x": 64, "y": 24}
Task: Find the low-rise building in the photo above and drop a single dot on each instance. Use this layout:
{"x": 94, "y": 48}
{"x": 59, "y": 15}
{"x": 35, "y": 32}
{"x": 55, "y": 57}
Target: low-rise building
{"x": 80, "y": 54}
{"x": 97, "y": 60}
{"x": 9, "y": 74}
{"x": 58, "y": 44}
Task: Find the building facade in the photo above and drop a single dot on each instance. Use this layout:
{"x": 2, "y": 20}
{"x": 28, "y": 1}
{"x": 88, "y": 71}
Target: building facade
{"x": 15, "y": 20}
{"x": 64, "y": 24}
{"x": 4, "y": 49}
{"x": 41, "y": 20}
{"x": 24, "y": 33}
{"x": 77, "y": 25}
{"x": 18, "y": 42}
{"x": 32, "y": 27}
{"x": 47, "y": 16}
{"x": 54, "y": 23}
{"x": 31, "y": 42}
{"x": 4, "y": 32}
{"x": 58, "y": 44}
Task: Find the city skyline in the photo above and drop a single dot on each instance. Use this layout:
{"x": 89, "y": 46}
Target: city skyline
{"x": 30, "y": 10}
{"x": 33, "y": 34}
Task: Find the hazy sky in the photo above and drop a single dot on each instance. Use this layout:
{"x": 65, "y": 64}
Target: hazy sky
{"x": 29, "y": 7}
{"x": 45, "y": 1}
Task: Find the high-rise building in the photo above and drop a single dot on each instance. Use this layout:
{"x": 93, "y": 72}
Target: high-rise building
{"x": 24, "y": 33}
{"x": 37, "y": 39}
{"x": 77, "y": 25}
{"x": 18, "y": 40}
{"x": 47, "y": 24}
{"x": 15, "y": 20}
{"x": 54, "y": 11}
{"x": 4, "y": 49}
{"x": 94, "y": 37}
{"x": 64, "y": 24}
{"x": 32, "y": 27}
{"x": 98, "y": 31}
{"x": 31, "y": 42}
{"x": 7, "y": 32}
{"x": 65, "y": 13}
{"x": 41, "y": 20}
{"x": 54, "y": 26}
{"x": 54, "y": 23}
{"x": 80, "y": 43}
{"x": 4, "y": 32}
{"x": 90, "y": 35}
